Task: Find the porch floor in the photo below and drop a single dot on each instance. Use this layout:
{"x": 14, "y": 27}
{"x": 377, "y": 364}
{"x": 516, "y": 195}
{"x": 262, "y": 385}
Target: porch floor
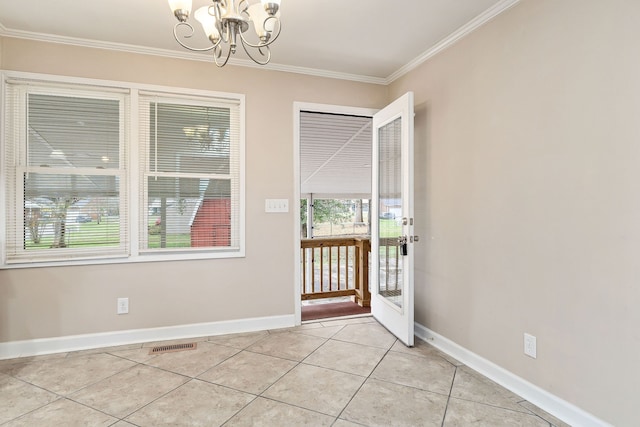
{"x": 333, "y": 307}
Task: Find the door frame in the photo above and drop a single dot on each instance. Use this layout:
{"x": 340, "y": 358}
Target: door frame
{"x": 297, "y": 108}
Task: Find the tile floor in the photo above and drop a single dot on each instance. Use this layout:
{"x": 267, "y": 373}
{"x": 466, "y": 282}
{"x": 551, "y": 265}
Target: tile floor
{"x": 339, "y": 373}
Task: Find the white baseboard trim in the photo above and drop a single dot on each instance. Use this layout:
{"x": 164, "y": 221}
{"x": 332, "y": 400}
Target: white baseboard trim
{"x": 554, "y": 405}
{"x": 36, "y": 347}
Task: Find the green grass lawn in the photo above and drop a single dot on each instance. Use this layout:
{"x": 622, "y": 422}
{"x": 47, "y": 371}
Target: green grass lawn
{"x": 173, "y": 241}
{"x": 390, "y": 228}
{"x": 88, "y": 234}
{"x": 105, "y": 234}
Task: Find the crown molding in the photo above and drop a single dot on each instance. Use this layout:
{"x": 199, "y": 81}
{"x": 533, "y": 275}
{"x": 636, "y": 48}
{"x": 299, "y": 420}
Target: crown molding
{"x": 174, "y": 54}
{"x": 445, "y": 43}
{"x": 451, "y": 39}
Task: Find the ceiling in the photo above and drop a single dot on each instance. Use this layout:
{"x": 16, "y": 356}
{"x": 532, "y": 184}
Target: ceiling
{"x": 365, "y": 40}
{"x": 335, "y": 155}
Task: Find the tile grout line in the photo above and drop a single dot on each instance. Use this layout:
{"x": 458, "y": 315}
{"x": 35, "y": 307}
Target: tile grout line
{"x": 446, "y": 408}
{"x": 261, "y": 394}
{"x": 366, "y": 379}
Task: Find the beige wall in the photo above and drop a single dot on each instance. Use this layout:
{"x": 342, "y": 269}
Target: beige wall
{"x": 50, "y": 302}
{"x": 528, "y": 187}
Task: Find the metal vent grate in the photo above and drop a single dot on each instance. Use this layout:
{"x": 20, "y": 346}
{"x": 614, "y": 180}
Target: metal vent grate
{"x": 173, "y": 347}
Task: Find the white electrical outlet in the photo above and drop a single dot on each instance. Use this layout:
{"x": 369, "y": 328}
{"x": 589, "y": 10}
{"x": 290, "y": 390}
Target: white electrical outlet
{"x": 123, "y": 305}
{"x": 530, "y": 345}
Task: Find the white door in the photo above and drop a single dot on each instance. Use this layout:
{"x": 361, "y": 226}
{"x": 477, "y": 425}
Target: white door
{"x": 392, "y": 224}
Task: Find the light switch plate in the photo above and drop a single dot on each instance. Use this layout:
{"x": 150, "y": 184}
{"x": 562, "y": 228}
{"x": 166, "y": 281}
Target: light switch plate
{"x": 276, "y": 205}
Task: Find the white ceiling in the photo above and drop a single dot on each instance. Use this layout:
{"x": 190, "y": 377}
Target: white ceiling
{"x": 335, "y": 155}
{"x": 367, "y": 40}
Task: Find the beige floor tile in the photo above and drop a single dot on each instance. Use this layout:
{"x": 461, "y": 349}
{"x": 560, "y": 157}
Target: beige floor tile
{"x": 384, "y": 404}
{"x": 463, "y": 413}
{"x": 324, "y": 332}
{"x": 104, "y": 350}
{"x": 64, "y": 376}
{"x": 288, "y": 345}
{"x": 196, "y": 403}
{"x": 421, "y": 348}
{"x": 249, "y": 372}
{"x": 63, "y": 412}
{"x": 371, "y": 334}
{"x": 302, "y": 327}
{"x": 29, "y": 359}
{"x": 470, "y": 385}
{"x": 11, "y": 366}
{"x": 193, "y": 362}
{"x": 319, "y": 389}
{"x": 140, "y": 355}
{"x": 346, "y": 357}
{"x": 345, "y": 423}
{"x": 239, "y": 341}
{"x": 555, "y": 422}
{"x": 128, "y": 391}
{"x": 348, "y": 321}
{"x": 18, "y": 398}
{"x": 426, "y": 373}
{"x": 267, "y": 413}
{"x": 123, "y": 424}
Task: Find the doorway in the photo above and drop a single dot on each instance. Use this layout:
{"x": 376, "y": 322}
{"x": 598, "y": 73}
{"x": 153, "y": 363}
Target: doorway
{"x": 332, "y": 192}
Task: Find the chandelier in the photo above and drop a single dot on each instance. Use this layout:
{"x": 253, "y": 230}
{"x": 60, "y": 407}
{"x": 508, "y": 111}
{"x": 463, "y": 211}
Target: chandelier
{"x": 225, "y": 23}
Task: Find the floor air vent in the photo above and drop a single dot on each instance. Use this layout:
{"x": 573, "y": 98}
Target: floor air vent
{"x": 173, "y": 347}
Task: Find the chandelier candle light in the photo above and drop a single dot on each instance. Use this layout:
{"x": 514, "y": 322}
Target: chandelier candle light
{"x": 225, "y": 20}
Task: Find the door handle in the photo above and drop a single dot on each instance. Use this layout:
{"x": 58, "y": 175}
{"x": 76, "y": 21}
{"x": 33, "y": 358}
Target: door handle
{"x": 402, "y": 243}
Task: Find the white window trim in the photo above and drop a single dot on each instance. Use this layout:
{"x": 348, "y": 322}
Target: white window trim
{"x": 133, "y": 172}
{"x": 120, "y": 172}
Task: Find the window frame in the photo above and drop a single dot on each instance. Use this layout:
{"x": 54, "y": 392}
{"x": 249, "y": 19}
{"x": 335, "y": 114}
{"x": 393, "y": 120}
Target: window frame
{"x": 145, "y": 143}
{"x": 133, "y": 174}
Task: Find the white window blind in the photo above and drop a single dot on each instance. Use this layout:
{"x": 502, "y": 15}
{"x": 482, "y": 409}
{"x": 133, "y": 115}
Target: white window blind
{"x": 190, "y": 181}
{"x": 65, "y": 172}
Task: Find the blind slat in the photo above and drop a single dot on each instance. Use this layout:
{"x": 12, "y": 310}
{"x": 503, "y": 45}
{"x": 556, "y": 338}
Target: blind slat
{"x": 66, "y": 173}
{"x": 189, "y": 153}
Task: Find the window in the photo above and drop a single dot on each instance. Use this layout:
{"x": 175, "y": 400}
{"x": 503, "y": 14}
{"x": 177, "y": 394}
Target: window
{"x": 68, "y": 184}
{"x": 65, "y": 172}
{"x": 191, "y": 174}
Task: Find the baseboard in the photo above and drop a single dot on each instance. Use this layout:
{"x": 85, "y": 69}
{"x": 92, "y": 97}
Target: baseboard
{"x": 35, "y": 347}
{"x": 554, "y": 405}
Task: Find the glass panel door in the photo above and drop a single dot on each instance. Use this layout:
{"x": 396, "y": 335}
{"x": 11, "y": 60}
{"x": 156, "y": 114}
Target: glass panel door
{"x": 391, "y": 234}
{"x": 390, "y": 264}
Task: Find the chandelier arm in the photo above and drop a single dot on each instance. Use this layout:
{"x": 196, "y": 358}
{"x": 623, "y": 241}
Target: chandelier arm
{"x": 218, "y": 54}
{"x": 225, "y": 32}
{"x": 267, "y": 43}
{"x": 268, "y": 54}
{"x": 241, "y": 9}
{"x": 195, "y": 49}
{"x": 216, "y": 11}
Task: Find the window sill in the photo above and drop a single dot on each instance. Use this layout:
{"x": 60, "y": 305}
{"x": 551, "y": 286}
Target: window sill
{"x": 142, "y": 258}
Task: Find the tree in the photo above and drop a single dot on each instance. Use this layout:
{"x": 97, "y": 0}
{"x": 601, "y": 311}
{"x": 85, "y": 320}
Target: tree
{"x": 62, "y": 205}
{"x": 35, "y": 223}
{"x": 332, "y": 211}
{"x": 303, "y": 217}
{"x": 358, "y": 211}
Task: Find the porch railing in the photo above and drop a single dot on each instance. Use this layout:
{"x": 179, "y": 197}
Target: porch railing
{"x": 334, "y": 267}
{"x": 390, "y": 265}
